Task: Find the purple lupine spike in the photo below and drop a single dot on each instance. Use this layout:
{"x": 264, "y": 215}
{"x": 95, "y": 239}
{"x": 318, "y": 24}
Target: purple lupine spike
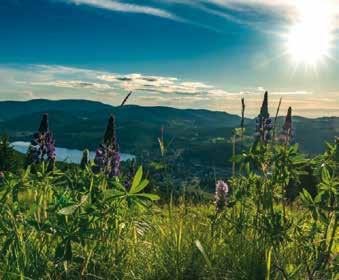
{"x": 42, "y": 145}
{"x": 115, "y": 163}
{"x": 221, "y": 191}
{"x": 264, "y": 123}
{"x": 107, "y": 158}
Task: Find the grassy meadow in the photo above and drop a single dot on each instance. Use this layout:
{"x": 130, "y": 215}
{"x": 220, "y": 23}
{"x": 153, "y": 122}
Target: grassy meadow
{"x": 276, "y": 217}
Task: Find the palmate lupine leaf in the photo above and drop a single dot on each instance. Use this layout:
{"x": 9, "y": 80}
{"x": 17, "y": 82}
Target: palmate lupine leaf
{"x": 143, "y": 184}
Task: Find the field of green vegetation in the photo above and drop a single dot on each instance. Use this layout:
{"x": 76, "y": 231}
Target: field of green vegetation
{"x": 276, "y": 217}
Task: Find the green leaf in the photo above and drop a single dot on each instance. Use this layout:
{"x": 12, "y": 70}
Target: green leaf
{"x": 111, "y": 194}
{"x": 202, "y": 251}
{"x": 323, "y": 218}
{"x": 325, "y": 175}
{"x": 149, "y": 196}
{"x": 306, "y": 197}
{"x": 136, "y": 180}
{"x": 268, "y": 264}
{"x": 144, "y": 183}
{"x": 68, "y": 210}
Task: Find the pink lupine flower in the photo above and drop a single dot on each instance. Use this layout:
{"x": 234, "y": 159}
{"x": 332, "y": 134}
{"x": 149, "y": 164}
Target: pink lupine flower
{"x": 221, "y": 191}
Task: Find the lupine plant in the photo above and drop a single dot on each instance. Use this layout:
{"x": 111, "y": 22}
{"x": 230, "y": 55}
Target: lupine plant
{"x": 264, "y": 122}
{"x": 42, "y": 146}
{"x": 107, "y": 157}
{"x": 221, "y": 191}
{"x": 288, "y": 133}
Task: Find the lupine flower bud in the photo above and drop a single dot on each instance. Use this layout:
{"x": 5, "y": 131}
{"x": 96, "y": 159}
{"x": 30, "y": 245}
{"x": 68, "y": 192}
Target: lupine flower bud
{"x": 107, "y": 158}
{"x": 221, "y": 191}
{"x": 264, "y": 107}
{"x": 109, "y": 138}
{"x": 264, "y": 123}
{"x": 288, "y": 133}
{"x": 85, "y": 159}
{"x": 42, "y": 145}
{"x": 44, "y": 124}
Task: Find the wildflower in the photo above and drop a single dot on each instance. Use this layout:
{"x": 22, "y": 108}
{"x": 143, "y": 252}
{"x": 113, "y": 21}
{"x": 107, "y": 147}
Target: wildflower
{"x": 107, "y": 157}
{"x": 264, "y": 122}
{"x": 221, "y": 191}
{"x": 288, "y": 134}
{"x": 85, "y": 159}
{"x": 42, "y": 145}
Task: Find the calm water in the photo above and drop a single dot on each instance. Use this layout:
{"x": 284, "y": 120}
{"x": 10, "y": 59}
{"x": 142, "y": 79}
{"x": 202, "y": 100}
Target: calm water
{"x": 63, "y": 154}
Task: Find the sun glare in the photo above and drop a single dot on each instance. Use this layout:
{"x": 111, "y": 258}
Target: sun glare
{"x": 310, "y": 37}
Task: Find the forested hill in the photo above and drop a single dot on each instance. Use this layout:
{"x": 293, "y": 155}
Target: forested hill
{"x": 200, "y": 135}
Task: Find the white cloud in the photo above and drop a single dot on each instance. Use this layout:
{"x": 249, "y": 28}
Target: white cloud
{"x": 73, "y": 84}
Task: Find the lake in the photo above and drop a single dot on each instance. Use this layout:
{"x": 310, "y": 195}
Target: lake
{"x": 64, "y": 154}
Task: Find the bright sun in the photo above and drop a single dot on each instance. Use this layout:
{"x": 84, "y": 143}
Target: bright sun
{"x": 310, "y": 38}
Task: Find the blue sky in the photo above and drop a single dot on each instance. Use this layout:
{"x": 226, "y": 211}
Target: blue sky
{"x": 181, "y": 53}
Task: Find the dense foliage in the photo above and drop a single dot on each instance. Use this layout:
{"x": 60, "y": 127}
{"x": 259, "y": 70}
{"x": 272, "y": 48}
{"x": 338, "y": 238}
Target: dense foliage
{"x": 276, "y": 218}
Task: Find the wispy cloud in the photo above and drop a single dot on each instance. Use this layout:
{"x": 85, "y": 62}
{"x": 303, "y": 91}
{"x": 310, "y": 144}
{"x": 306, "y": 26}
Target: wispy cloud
{"x": 266, "y": 15}
{"x": 124, "y": 7}
{"x": 73, "y": 84}
{"x": 164, "y": 85}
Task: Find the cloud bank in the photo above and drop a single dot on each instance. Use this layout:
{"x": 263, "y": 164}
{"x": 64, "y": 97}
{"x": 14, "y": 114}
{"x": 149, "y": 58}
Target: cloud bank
{"x": 60, "y": 82}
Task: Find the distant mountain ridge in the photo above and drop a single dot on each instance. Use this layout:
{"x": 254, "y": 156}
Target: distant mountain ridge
{"x": 80, "y": 124}
{"x": 12, "y": 109}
